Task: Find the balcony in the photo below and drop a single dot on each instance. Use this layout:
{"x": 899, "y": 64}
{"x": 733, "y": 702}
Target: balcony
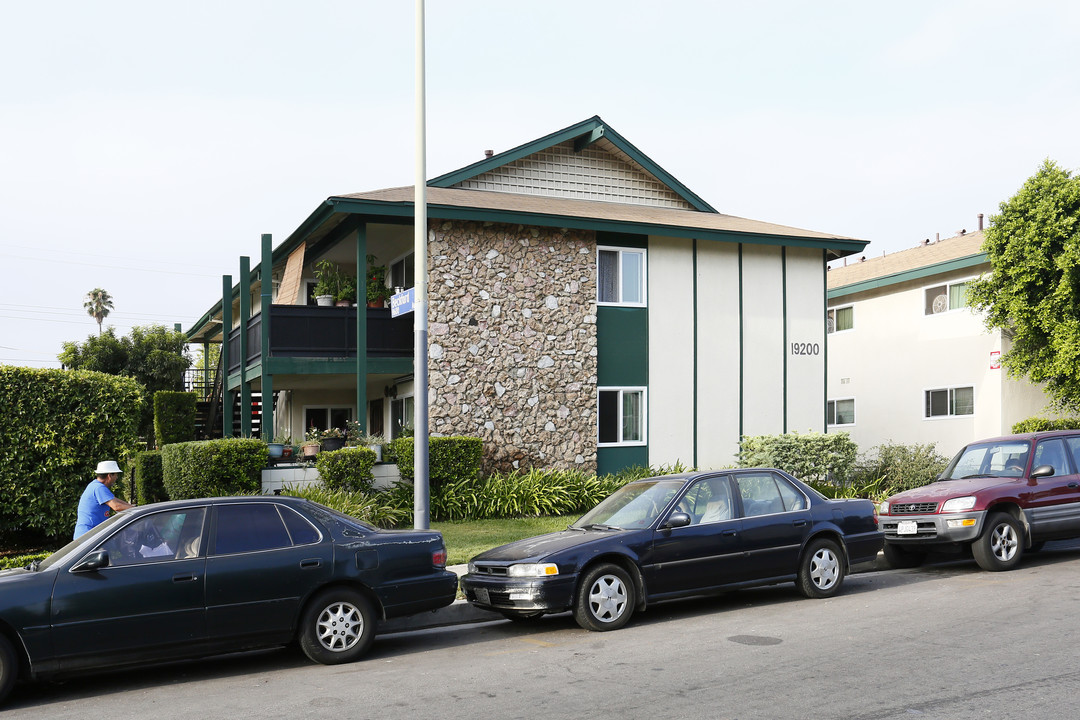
{"x": 307, "y": 331}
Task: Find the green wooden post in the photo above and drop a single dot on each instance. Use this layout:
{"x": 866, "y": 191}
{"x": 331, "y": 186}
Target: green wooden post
{"x": 265, "y": 296}
{"x": 227, "y": 396}
{"x": 361, "y": 326}
{"x": 245, "y": 317}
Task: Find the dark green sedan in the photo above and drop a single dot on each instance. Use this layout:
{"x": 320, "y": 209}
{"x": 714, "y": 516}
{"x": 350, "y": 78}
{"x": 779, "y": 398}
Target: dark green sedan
{"x": 192, "y": 578}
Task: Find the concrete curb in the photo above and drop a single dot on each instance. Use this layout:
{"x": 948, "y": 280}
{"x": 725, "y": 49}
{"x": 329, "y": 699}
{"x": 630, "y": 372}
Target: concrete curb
{"x": 461, "y": 612}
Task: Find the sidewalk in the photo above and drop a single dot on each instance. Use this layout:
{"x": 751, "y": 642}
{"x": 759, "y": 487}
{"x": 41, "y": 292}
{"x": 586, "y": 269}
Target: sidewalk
{"x": 462, "y": 613}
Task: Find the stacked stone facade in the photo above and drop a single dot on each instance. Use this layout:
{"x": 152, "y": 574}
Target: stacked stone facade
{"x": 512, "y": 342}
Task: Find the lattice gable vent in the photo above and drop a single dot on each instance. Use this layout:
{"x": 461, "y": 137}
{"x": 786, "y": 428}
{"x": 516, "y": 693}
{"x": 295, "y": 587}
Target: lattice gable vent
{"x": 599, "y": 172}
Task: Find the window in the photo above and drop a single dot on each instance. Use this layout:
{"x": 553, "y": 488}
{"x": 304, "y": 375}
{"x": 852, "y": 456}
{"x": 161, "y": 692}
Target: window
{"x": 841, "y": 319}
{"x": 621, "y": 276}
{"x": 622, "y": 416}
{"x": 841, "y": 412}
{"x": 401, "y": 416}
{"x": 708, "y": 501}
{"x": 300, "y": 529}
{"x": 403, "y": 272}
{"x": 246, "y": 528}
{"x": 1052, "y": 452}
{"x": 948, "y": 402}
{"x": 760, "y": 496}
{"x": 157, "y": 537}
{"x": 324, "y": 418}
{"x": 943, "y": 298}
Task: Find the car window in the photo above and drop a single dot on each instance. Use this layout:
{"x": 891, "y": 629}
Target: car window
{"x": 301, "y": 531}
{"x": 759, "y": 493}
{"x": 1052, "y": 452}
{"x": 154, "y": 538}
{"x": 245, "y": 528}
{"x": 1074, "y": 450}
{"x": 793, "y": 499}
{"x": 708, "y": 500}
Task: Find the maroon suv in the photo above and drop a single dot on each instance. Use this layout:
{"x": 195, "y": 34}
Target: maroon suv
{"x": 1001, "y": 496}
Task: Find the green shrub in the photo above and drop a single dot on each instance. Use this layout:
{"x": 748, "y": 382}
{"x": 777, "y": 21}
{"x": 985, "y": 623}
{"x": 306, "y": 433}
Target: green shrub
{"x": 369, "y": 507}
{"x": 1038, "y": 424}
{"x": 813, "y": 456}
{"x": 348, "y": 469}
{"x": 19, "y": 561}
{"x": 449, "y": 458}
{"x": 58, "y": 424}
{"x": 889, "y": 469}
{"x": 148, "y": 482}
{"x": 174, "y": 417}
{"x": 213, "y": 468}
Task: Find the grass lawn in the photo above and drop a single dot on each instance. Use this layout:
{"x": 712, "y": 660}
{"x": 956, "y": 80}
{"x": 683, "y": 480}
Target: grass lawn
{"x": 466, "y": 539}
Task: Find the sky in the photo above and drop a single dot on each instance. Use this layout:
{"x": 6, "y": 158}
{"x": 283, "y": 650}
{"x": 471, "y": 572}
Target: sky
{"x": 146, "y": 146}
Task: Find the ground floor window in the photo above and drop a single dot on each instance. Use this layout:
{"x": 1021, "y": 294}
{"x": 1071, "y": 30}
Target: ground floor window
{"x": 841, "y": 412}
{"x": 401, "y": 416}
{"x": 948, "y": 402}
{"x": 622, "y": 416}
{"x": 323, "y": 418}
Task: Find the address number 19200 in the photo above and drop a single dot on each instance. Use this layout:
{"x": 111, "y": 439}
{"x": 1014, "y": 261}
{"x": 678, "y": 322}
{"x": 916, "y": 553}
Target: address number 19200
{"x": 801, "y": 348}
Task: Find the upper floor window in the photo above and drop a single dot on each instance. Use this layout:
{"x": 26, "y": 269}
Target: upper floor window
{"x": 943, "y": 298}
{"x": 841, "y": 319}
{"x": 402, "y": 272}
{"x": 841, "y": 412}
{"x": 948, "y": 402}
{"x": 622, "y": 416}
{"x": 621, "y": 276}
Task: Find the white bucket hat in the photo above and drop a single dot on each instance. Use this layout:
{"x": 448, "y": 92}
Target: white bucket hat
{"x": 107, "y": 467}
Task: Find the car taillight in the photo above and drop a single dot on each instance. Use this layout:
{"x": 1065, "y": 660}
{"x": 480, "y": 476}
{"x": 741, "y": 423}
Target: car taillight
{"x": 438, "y": 558}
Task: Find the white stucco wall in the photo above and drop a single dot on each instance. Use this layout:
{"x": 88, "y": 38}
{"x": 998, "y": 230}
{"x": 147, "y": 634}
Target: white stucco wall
{"x": 806, "y": 349}
{"x": 763, "y": 340}
{"x": 718, "y": 353}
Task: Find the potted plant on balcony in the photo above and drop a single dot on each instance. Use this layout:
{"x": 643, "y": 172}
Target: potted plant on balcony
{"x": 377, "y": 292}
{"x": 332, "y": 439}
{"x": 328, "y": 276}
{"x": 345, "y": 295}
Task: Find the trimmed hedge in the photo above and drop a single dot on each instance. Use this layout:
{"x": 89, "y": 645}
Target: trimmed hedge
{"x": 347, "y": 469}
{"x": 813, "y": 456}
{"x": 174, "y": 417}
{"x": 58, "y": 424}
{"x": 1038, "y": 424}
{"x": 213, "y": 468}
{"x": 149, "y": 482}
{"x": 449, "y": 458}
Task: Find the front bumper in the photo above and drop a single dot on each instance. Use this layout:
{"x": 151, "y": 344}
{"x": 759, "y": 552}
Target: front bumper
{"x": 941, "y": 529}
{"x": 547, "y": 594}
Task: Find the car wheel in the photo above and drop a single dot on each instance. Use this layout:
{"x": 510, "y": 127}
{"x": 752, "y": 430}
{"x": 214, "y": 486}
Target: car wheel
{"x": 900, "y": 557}
{"x": 821, "y": 569}
{"x": 605, "y": 600}
{"x": 9, "y": 667}
{"x": 1001, "y": 544}
{"x": 521, "y": 616}
{"x": 337, "y": 626}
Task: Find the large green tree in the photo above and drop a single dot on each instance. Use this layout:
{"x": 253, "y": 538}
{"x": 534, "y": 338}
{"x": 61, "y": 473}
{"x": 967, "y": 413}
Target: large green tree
{"x": 153, "y": 355}
{"x": 1033, "y": 293}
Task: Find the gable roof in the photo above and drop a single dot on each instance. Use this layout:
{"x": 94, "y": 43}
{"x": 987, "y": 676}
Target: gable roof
{"x": 587, "y": 160}
{"x": 962, "y": 251}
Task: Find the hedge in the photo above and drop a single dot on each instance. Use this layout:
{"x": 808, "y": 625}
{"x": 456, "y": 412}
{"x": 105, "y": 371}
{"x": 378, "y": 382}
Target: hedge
{"x": 213, "y": 468}
{"x": 347, "y": 469}
{"x": 449, "y": 458}
{"x": 149, "y": 482}
{"x": 1038, "y": 424}
{"x": 174, "y": 417}
{"x": 813, "y": 456}
{"x": 58, "y": 424}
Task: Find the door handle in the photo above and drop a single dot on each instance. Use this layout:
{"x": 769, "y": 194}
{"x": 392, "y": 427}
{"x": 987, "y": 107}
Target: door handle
{"x": 799, "y": 523}
{"x": 1074, "y": 485}
{"x": 311, "y": 563}
{"x": 184, "y": 578}
{"x": 729, "y": 533}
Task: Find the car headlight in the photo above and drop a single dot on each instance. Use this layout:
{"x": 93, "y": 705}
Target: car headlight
{"x": 958, "y": 504}
{"x": 533, "y": 570}
{"x": 472, "y": 568}
{"x": 883, "y": 508}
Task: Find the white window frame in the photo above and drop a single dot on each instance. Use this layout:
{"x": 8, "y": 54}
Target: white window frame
{"x": 948, "y": 287}
{"x": 394, "y": 432}
{"x": 621, "y": 251}
{"x": 830, "y": 319}
{"x": 644, "y": 415}
{"x": 951, "y": 402}
{"x": 329, "y": 408}
{"x": 831, "y": 417}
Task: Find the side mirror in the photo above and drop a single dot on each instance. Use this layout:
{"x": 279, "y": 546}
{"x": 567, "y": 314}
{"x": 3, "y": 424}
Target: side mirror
{"x": 92, "y": 562}
{"x": 676, "y": 520}
{"x": 1042, "y": 471}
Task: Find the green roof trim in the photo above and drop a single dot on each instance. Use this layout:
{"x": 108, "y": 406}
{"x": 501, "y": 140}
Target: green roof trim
{"x": 583, "y": 134}
{"x": 908, "y": 275}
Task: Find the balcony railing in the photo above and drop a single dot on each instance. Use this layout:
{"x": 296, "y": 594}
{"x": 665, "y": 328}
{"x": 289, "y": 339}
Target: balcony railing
{"x": 310, "y": 331}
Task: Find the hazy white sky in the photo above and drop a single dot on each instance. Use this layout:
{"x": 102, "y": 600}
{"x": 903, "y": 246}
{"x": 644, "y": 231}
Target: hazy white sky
{"x": 145, "y": 146}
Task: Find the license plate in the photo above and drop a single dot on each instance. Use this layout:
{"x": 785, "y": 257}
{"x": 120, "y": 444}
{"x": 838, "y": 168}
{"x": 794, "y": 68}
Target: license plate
{"x": 907, "y": 527}
{"x": 482, "y": 596}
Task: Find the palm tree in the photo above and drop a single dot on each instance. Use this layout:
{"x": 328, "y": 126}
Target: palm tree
{"x": 98, "y": 304}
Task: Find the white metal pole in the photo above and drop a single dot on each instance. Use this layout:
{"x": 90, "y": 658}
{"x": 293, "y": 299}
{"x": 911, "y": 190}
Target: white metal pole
{"x": 421, "y": 496}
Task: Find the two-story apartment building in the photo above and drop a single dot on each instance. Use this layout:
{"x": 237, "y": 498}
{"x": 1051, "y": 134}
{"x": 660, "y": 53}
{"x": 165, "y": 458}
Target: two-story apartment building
{"x": 909, "y": 361}
{"x": 586, "y": 309}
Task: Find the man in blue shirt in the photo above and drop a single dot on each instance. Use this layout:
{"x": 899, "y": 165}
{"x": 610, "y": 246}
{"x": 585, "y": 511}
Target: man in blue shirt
{"x": 97, "y": 499}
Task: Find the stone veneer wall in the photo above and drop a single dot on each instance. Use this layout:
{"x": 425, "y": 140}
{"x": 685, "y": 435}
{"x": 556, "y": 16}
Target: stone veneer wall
{"x": 512, "y": 342}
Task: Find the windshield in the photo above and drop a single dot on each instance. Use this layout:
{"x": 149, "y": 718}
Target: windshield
{"x": 1005, "y": 459}
{"x": 632, "y": 506}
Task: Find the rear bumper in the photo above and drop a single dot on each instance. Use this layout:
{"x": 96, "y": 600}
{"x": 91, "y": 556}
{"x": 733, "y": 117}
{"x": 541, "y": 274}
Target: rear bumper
{"x": 420, "y": 594}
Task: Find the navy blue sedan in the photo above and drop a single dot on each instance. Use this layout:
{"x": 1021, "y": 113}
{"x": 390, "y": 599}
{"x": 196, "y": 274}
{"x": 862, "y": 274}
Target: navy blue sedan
{"x": 677, "y": 536}
{"x": 194, "y": 577}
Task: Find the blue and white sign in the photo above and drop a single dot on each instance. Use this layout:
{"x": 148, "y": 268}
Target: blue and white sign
{"x": 402, "y": 302}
